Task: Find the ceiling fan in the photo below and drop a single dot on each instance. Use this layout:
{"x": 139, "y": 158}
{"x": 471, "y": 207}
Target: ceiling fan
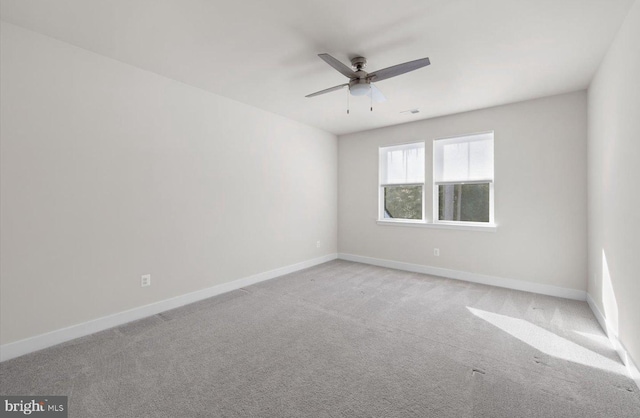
{"x": 360, "y": 82}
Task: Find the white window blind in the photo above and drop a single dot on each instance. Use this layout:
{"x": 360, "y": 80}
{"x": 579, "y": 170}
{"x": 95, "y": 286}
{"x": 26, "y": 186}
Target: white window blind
{"x": 463, "y": 159}
{"x": 402, "y": 164}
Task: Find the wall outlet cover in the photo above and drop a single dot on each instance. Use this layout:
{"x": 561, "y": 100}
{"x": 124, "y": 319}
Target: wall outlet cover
{"x": 145, "y": 280}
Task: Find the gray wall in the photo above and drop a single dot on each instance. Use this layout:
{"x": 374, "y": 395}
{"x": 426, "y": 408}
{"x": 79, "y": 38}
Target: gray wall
{"x": 540, "y": 195}
{"x": 110, "y": 172}
{"x": 614, "y": 185}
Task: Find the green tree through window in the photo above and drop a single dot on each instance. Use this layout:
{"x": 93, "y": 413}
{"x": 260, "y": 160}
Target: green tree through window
{"x": 403, "y": 202}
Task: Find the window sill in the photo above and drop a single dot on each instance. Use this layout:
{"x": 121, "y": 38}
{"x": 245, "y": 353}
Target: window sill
{"x": 458, "y": 226}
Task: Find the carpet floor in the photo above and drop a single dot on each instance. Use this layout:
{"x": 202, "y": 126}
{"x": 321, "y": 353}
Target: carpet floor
{"x": 342, "y": 339}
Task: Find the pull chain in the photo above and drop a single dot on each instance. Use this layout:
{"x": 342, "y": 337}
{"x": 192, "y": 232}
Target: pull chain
{"x": 348, "y": 94}
{"x": 371, "y": 96}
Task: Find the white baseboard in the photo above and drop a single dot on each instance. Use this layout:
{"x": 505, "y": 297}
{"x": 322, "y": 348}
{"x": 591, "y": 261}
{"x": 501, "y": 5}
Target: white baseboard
{"x": 632, "y": 368}
{"x": 29, "y": 345}
{"x": 543, "y": 289}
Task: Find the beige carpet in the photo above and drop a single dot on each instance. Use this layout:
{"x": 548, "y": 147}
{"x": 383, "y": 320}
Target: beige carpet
{"x": 343, "y": 340}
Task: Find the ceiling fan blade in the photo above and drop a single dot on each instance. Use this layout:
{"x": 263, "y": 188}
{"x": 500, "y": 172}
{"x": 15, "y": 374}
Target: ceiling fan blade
{"x": 398, "y": 69}
{"x": 377, "y": 94}
{"x": 330, "y": 89}
{"x": 343, "y": 69}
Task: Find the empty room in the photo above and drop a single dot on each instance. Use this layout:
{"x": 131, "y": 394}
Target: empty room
{"x": 417, "y": 208}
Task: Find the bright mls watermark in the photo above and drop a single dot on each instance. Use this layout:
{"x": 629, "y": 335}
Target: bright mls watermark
{"x": 35, "y": 406}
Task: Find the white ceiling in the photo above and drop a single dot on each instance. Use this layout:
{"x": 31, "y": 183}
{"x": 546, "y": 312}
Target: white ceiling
{"x": 264, "y": 52}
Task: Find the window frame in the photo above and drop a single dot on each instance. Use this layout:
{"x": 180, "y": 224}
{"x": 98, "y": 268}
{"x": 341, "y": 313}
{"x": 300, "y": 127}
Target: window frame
{"x": 436, "y": 184}
{"x": 381, "y": 185}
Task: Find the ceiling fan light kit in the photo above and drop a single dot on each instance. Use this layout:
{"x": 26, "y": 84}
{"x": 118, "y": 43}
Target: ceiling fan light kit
{"x": 360, "y": 82}
{"x": 360, "y": 89}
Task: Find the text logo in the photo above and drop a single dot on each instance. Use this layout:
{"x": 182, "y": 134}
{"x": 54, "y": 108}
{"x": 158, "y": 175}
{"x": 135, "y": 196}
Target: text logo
{"x": 33, "y": 406}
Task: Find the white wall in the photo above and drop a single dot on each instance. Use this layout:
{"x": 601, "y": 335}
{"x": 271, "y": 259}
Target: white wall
{"x": 540, "y": 195}
{"x": 614, "y": 185}
{"x": 110, "y": 172}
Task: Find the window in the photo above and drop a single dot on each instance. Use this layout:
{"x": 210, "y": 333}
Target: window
{"x": 402, "y": 182}
{"x": 463, "y": 179}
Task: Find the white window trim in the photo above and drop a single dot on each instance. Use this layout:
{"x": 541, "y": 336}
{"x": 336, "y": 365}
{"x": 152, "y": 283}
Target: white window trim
{"x": 381, "y": 187}
{"x": 435, "y": 223}
{"x": 491, "y": 225}
{"x": 461, "y": 226}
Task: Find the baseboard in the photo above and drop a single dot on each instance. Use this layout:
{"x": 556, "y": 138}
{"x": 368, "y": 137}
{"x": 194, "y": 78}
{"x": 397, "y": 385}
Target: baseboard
{"x": 606, "y": 327}
{"x": 29, "y": 345}
{"x": 543, "y": 289}
{"x": 632, "y": 368}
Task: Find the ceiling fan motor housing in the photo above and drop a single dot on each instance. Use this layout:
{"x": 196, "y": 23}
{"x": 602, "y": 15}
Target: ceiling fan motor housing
{"x": 358, "y": 63}
{"x": 359, "y": 86}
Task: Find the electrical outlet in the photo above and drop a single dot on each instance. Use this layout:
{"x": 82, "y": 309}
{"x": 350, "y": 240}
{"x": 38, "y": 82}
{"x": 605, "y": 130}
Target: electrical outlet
{"x": 318, "y": 244}
{"x": 436, "y": 252}
{"x": 145, "y": 280}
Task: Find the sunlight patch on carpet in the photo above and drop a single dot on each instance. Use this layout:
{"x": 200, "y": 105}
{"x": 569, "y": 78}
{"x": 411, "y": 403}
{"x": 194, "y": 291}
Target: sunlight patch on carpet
{"x": 547, "y": 342}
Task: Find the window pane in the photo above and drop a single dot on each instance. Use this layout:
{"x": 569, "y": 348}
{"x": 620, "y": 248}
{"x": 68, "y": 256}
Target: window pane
{"x": 403, "y": 202}
{"x": 464, "y": 159}
{"x": 464, "y": 202}
{"x": 402, "y": 164}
